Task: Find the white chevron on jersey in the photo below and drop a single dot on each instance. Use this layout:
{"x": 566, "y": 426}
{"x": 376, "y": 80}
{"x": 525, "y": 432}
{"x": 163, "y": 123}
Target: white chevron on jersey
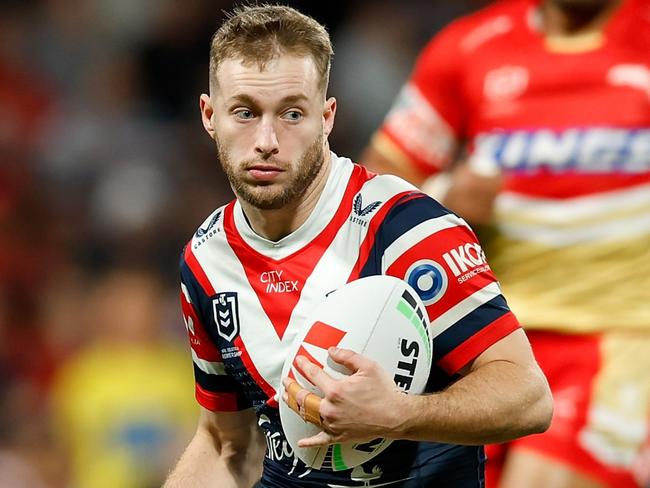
{"x": 337, "y": 263}
{"x": 224, "y": 269}
{"x": 327, "y": 204}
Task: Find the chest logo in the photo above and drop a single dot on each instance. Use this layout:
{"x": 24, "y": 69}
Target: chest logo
{"x": 275, "y": 282}
{"x": 505, "y": 83}
{"x": 226, "y": 314}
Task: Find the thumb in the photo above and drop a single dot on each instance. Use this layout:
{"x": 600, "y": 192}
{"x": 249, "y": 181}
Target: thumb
{"x": 353, "y": 361}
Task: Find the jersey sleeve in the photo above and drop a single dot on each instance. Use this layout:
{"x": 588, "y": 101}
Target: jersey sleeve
{"x": 214, "y": 388}
{"x": 427, "y": 118}
{"x": 437, "y": 253}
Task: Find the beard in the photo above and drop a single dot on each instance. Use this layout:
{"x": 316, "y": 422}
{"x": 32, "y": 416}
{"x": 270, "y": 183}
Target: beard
{"x": 272, "y": 196}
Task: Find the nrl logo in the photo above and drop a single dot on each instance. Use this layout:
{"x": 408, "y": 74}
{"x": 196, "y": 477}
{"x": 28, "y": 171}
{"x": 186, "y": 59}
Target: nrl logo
{"x": 360, "y": 211}
{"x": 226, "y": 314}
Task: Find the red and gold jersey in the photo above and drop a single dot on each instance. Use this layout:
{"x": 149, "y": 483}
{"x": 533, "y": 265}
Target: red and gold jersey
{"x": 567, "y": 123}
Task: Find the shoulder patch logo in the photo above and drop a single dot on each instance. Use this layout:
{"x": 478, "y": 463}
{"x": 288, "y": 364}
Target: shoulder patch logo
{"x": 362, "y": 211}
{"x": 226, "y": 314}
{"x": 204, "y": 230}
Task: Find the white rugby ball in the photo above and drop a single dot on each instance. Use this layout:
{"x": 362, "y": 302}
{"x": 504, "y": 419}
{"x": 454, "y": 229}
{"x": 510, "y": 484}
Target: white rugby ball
{"x": 382, "y": 318}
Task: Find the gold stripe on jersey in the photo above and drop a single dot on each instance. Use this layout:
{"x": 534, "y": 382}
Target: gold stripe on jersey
{"x": 529, "y": 213}
{"x": 619, "y": 412}
{"x": 576, "y": 265}
{"x": 586, "y": 287}
{"x": 572, "y": 223}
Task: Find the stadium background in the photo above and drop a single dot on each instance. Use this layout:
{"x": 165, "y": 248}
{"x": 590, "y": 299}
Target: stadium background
{"x": 105, "y": 172}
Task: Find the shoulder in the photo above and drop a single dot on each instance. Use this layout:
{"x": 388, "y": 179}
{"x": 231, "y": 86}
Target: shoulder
{"x": 472, "y": 31}
{"x": 403, "y": 207}
{"x": 209, "y": 228}
{"x": 473, "y": 35}
{"x": 631, "y": 25}
{"x": 384, "y": 186}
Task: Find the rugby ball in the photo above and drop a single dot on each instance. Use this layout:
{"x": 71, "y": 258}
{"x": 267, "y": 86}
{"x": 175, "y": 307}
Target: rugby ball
{"x": 382, "y": 318}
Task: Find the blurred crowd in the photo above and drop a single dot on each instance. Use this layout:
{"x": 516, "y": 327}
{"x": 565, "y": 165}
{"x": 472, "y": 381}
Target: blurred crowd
{"x": 105, "y": 172}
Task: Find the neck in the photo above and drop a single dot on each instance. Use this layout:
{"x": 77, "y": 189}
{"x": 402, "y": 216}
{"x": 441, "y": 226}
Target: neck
{"x": 278, "y": 223}
{"x": 574, "y": 19}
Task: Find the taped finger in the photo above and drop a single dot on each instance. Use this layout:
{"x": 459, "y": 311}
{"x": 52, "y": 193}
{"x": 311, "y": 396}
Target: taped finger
{"x": 292, "y": 392}
{"x": 311, "y": 408}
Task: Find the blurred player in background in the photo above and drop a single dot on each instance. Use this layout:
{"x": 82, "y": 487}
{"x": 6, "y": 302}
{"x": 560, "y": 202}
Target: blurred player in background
{"x": 535, "y": 116}
{"x": 121, "y": 407}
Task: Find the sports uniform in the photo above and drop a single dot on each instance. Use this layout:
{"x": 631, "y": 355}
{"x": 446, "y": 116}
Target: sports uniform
{"x": 244, "y": 298}
{"x": 568, "y": 127}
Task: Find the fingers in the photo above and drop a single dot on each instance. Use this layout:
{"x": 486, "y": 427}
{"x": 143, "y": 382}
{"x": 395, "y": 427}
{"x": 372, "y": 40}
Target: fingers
{"x": 292, "y": 390}
{"x": 320, "y": 439}
{"x": 350, "y": 359}
{"x": 303, "y": 402}
{"x": 315, "y": 375}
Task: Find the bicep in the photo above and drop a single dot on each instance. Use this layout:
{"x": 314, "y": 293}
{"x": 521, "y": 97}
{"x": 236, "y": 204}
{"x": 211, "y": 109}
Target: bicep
{"x": 513, "y": 348}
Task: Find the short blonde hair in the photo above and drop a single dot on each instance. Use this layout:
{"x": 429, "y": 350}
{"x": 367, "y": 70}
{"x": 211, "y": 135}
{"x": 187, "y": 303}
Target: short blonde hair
{"x": 259, "y": 34}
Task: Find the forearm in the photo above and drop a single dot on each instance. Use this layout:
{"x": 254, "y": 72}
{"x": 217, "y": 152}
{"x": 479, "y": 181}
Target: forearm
{"x": 204, "y": 464}
{"x": 469, "y": 194}
{"x": 498, "y": 402}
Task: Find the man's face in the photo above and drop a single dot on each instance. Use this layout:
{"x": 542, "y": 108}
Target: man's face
{"x": 270, "y": 127}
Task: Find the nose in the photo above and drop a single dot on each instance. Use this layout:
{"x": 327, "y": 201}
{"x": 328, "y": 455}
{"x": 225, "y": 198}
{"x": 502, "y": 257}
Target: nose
{"x": 266, "y": 141}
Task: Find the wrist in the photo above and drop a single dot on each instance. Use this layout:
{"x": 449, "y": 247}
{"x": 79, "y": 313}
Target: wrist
{"x": 405, "y": 414}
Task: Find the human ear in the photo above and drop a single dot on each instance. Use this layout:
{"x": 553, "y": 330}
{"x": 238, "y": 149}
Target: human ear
{"x": 207, "y": 112}
{"x": 329, "y": 113}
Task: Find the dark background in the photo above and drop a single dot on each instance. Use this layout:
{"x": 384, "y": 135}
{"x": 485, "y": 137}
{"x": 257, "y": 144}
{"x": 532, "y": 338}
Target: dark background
{"x": 105, "y": 173}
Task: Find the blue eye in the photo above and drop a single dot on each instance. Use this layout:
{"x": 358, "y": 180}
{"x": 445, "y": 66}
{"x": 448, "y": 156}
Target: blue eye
{"x": 293, "y": 115}
{"x": 244, "y": 114}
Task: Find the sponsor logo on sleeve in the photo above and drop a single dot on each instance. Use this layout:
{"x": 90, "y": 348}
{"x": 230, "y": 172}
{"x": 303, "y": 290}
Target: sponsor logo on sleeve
{"x": 428, "y": 279}
{"x": 466, "y": 261}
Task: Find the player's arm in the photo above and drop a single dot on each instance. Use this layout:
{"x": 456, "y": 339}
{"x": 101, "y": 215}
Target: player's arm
{"x": 461, "y": 189}
{"x": 419, "y": 137}
{"x": 502, "y": 396}
{"x": 499, "y": 392}
{"x": 468, "y": 193}
{"x": 384, "y": 157}
{"x": 226, "y": 451}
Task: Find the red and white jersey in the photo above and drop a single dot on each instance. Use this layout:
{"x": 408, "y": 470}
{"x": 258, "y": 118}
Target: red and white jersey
{"x": 244, "y": 298}
{"x": 568, "y": 126}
